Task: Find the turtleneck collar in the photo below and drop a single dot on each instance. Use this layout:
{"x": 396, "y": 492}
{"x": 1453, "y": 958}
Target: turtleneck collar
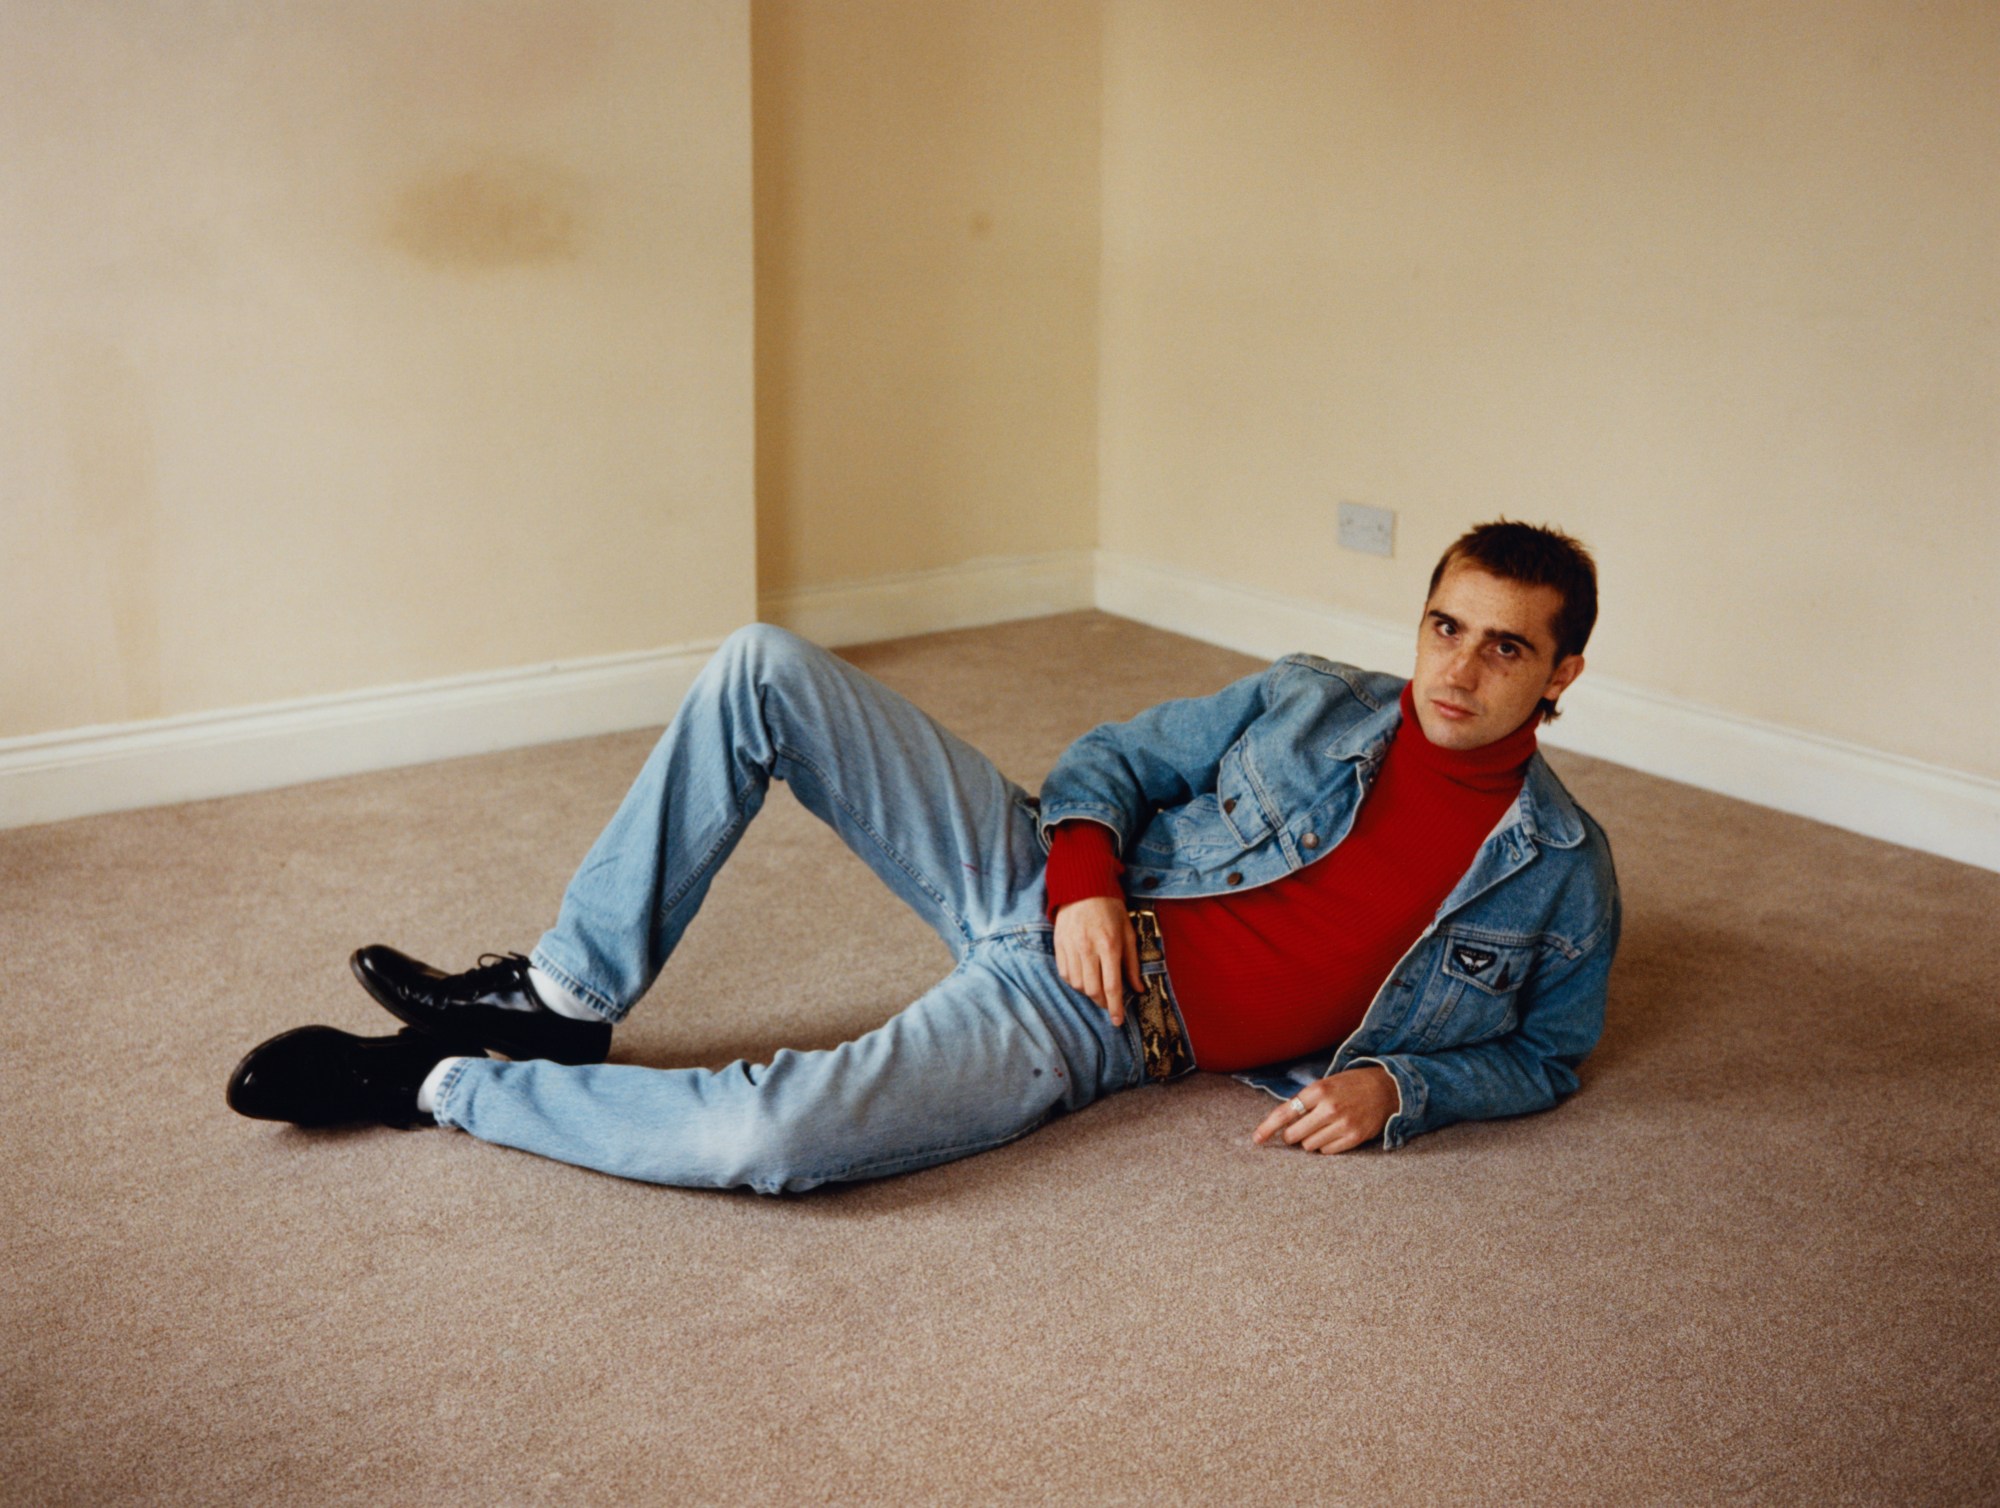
{"x": 1497, "y": 767}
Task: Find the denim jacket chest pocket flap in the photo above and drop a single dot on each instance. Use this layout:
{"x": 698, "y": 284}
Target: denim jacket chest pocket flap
{"x": 1237, "y": 799}
{"x": 1476, "y": 980}
{"x": 1214, "y": 828}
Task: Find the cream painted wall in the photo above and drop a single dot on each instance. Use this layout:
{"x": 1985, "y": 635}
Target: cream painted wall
{"x": 344, "y": 344}
{"x": 1715, "y": 285}
{"x": 927, "y": 259}
{"x": 352, "y": 344}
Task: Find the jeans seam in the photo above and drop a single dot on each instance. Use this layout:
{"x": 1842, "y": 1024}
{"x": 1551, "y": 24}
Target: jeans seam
{"x": 707, "y": 861}
{"x": 930, "y": 1156}
{"x": 441, "y": 1101}
{"x": 599, "y": 1006}
{"x": 1016, "y": 935}
{"x": 834, "y": 794}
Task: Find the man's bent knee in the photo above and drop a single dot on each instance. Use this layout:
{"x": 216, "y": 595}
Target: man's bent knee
{"x": 763, "y": 648}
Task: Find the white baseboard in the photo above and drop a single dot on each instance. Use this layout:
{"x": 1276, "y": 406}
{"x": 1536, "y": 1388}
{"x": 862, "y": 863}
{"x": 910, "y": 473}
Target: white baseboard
{"x": 971, "y": 595}
{"x": 83, "y": 771}
{"x": 78, "y": 772}
{"x": 1884, "y": 796}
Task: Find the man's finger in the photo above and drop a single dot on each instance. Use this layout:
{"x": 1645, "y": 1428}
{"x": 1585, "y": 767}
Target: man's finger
{"x": 1316, "y": 1116}
{"x": 1330, "y": 1129}
{"x": 1066, "y": 966}
{"x": 1121, "y": 963}
{"x": 1337, "y": 1137}
{"x": 1114, "y": 993}
{"x": 1083, "y": 977}
{"x": 1286, "y": 1115}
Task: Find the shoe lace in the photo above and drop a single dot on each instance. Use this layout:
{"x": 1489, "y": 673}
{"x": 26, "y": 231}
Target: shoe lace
{"x": 494, "y": 973}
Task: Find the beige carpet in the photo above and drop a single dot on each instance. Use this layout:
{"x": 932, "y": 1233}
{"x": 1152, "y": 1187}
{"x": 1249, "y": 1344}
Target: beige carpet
{"x": 1753, "y": 1259}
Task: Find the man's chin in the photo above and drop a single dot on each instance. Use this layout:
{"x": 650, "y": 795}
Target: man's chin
{"x": 1458, "y": 737}
{"x": 1452, "y": 732}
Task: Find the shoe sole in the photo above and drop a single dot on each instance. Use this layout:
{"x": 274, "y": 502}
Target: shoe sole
{"x": 518, "y": 1048}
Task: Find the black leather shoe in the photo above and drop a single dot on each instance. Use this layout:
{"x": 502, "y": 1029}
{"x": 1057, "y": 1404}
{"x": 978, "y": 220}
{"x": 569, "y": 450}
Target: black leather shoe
{"x": 479, "y": 1009}
{"x": 319, "y": 1076}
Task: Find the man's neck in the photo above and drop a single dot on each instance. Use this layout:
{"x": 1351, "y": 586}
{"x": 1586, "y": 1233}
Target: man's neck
{"x": 1497, "y": 766}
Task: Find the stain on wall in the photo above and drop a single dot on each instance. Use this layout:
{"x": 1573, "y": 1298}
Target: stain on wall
{"x": 107, "y": 420}
{"x": 493, "y": 214}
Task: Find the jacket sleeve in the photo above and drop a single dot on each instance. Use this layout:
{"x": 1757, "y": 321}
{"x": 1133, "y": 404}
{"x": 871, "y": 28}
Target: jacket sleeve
{"x": 1530, "y": 1068}
{"x": 1119, "y": 774}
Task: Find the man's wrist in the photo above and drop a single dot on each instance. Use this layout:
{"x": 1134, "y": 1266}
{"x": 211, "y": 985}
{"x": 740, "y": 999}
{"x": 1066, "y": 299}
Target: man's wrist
{"x": 1083, "y": 865}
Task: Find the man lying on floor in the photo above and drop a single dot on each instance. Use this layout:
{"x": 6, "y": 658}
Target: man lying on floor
{"x": 1372, "y": 898}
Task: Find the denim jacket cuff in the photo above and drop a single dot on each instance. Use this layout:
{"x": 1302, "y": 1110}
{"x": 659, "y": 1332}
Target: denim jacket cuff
{"x": 1411, "y": 1100}
{"x": 1053, "y": 816}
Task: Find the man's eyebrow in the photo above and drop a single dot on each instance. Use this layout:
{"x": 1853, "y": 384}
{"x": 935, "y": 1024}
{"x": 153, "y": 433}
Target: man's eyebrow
{"x": 1508, "y": 636}
{"x": 1491, "y": 635}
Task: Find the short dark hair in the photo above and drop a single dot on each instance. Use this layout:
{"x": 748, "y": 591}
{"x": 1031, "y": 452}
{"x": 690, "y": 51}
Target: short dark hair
{"x": 1535, "y": 556}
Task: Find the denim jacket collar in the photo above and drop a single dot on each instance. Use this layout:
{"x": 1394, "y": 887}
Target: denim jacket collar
{"x": 1547, "y": 814}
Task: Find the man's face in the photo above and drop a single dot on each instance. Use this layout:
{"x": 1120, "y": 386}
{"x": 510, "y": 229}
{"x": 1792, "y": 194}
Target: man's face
{"x": 1486, "y": 657}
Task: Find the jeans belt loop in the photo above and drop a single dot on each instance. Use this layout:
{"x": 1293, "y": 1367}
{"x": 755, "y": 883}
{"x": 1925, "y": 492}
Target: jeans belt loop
{"x": 1162, "y": 1038}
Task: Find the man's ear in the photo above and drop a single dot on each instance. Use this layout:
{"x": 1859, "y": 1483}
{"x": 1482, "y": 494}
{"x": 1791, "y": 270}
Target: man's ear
{"x": 1566, "y": 671}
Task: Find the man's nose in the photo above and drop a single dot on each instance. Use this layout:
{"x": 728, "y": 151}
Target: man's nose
{"x": 1462, "y": 669}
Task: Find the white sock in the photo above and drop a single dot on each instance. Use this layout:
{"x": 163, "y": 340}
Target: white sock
{"x": 433, "y": 1081}
{"x": 558, "y": 999}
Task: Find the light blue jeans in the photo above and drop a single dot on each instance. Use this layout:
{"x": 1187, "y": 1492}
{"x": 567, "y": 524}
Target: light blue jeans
{"x": 993, "y": 1050}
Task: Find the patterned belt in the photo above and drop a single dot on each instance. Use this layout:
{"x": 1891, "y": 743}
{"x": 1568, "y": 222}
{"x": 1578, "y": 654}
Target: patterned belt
{"x": 1161, "y": 1035}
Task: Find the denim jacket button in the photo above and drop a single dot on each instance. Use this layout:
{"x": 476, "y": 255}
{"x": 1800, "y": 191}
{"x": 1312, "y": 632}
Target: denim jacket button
{"x": 1229, "y": 805}
{"x": 1310, "y": 840}
{"x": 1151, "y": 882}
{"x": 1234, "y": 878}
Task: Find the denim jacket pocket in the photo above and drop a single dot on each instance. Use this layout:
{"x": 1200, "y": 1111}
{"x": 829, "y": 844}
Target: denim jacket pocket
{"x": 1479, "y": 977}
{"x": 1237, "y": 801}
{"x": 1193, "y": 834}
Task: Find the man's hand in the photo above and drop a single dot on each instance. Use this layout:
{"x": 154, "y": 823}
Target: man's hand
{"x": 1341, "y": 1112}
{"x": 1096, "y": 951}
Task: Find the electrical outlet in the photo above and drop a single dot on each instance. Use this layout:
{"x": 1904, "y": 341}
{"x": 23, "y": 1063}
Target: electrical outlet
{"x": 1372, "y": 531}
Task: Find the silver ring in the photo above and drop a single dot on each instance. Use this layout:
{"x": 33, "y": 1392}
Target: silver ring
{"x": 1298, "y": 1105}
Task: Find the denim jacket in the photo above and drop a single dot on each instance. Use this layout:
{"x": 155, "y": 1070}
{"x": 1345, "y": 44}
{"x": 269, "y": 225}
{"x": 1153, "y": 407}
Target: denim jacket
{"x": 1502, "y": 996}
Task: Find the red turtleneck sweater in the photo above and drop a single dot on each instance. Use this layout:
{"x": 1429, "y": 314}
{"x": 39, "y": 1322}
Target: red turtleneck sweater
{"x": 1290, "y": 967}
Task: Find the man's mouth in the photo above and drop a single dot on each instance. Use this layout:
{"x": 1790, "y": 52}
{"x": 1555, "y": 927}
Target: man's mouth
{"x": 1451, "y": 710}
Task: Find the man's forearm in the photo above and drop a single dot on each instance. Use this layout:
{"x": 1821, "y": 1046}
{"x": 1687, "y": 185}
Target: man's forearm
{"x": 1083, "y": 864}
{"x": 1118, "y": 774}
